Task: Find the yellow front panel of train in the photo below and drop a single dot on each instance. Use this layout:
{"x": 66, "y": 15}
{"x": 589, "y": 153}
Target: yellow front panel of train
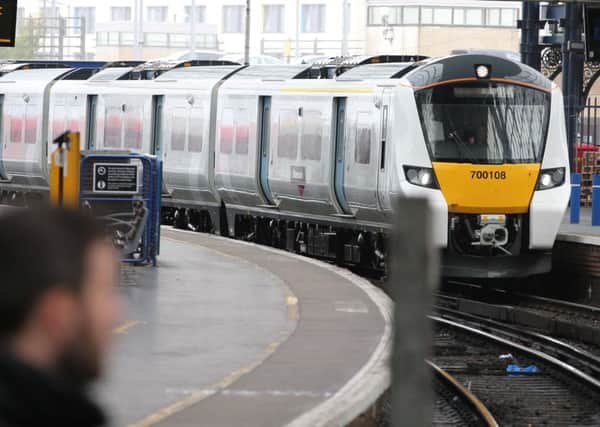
{"x": 480, "y": 189}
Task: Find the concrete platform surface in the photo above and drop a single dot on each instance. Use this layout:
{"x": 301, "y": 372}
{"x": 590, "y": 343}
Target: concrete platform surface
{"x": 226, "y": 333}
{"x": 583, "y": 232}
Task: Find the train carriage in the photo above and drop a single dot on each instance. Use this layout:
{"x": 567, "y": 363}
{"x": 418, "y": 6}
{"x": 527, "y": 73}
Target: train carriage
{"x": 292, "y": 157}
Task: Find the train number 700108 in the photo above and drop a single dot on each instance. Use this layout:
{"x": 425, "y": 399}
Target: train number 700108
{"x": 488, "y": 175}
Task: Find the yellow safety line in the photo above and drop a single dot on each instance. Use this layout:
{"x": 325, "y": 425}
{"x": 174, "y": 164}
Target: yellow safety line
{"x": 121, "y": 329}
{"x": 293, "y": 89}
{"x": 200, "y": 395}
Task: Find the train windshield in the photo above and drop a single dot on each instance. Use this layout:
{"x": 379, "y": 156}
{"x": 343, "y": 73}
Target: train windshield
{"x": 484, "y": 122}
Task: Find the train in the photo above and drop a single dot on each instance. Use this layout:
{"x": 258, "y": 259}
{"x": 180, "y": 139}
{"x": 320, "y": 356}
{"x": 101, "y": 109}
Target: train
{"x": 316, "y": 159}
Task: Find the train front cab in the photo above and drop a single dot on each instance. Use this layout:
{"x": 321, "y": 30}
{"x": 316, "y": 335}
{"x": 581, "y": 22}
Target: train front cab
{"x": 493, "y": 140}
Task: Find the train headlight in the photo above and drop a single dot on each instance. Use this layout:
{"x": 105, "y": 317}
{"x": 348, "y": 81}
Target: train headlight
{"x": 550, "y": 178}
{"x": 423, "y": 177}
{"x": 482, "y": 71}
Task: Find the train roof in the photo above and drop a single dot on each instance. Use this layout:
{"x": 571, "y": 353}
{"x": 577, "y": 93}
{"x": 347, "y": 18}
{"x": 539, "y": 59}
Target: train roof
{"x": 271, "y": 72}
{"x": 111, "y": 73}
{"x": 211, "y": 72}
{"x": 377, "y": 71}
{"x": 39, "y": 74}
{"x": 463, "y": 67}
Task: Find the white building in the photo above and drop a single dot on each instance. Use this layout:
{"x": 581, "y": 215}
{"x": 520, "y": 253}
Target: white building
{"x": 436, "y": 27}
{"x": 429, "y": 27}
{"x": 220, "y": 25}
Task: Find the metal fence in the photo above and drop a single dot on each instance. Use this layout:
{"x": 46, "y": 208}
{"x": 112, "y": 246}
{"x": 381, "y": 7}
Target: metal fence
{"x": 52, "y": 38}
{"x": 589, "y": 123}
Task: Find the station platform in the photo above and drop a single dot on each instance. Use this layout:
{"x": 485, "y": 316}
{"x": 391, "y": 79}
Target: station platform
{"x": 583, "y": 232}
{"x": 226, "y": 333}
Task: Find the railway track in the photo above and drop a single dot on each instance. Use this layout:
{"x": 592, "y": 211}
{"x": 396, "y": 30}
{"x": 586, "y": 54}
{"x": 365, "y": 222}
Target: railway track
{"x": 478, "y": 355}
{"x": 455, "y": 405}
{"x": 577, "y": 323}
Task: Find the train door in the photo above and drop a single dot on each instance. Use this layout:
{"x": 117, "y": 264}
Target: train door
{"x": 264, "y": 128}
{"x": 338, "y": 134}
{"x": 2, "y": 128}
{"x": 383, "y": 193}
{"x": 361, "y": 149}
{"x": 156, "y": 144}
{"x": 91, "y": 117}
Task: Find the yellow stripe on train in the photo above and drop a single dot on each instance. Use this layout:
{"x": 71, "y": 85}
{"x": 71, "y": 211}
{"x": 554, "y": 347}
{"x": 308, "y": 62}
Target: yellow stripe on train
{"x": 493, "y": 189}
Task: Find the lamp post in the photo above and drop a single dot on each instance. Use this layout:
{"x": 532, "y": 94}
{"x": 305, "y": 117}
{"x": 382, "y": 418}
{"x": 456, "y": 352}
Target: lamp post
{"x": 297, "y": 29}
{"x": 345, "y": 26}
{"x": 247, "y": 41}
{"x": 192, "y": 16}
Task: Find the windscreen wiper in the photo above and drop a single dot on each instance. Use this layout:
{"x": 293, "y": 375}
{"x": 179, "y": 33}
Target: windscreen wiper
{"x": 457, "y": 139}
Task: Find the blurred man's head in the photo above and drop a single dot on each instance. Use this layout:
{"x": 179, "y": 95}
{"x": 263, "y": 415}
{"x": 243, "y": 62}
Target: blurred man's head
{"x": 58, "y": 296}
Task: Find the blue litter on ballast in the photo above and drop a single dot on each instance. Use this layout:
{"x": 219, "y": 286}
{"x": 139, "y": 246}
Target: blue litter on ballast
{"x": 531, "y": 369}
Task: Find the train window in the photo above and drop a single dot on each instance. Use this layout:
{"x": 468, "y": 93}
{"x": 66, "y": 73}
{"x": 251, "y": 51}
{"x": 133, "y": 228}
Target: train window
{"x": 31, "y": 123}
{"x": 287, "y": 146}
{"x": 362, "y": 148}
{"x": 196, "y": 130}
{"x": 58, "y": 123}
{"x": 242, "y": 131}
{"x": 178, "y": 129}
{"x": 112, "y": 127}
{"x": 133, "y": 128}
{"x": 226, "y": 145}
{"x": 16, "y": 129}
{"x": 311, "y": 136}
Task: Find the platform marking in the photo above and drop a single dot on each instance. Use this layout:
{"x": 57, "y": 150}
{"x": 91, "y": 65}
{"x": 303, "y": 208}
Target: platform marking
{"x": 350, "y": 307}
{"x": 122, "y": 329}
{"x": 199, "y": 395}
{"x": 292, "y": 307}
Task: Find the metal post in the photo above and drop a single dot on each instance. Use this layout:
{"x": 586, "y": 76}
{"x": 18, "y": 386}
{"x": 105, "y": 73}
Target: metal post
{"x": 415, "y": 275}
{"x": 530, "y": 35}
{"x": 345, "y": 27}
{"x": 62, "y": 30}
{"x": 193, "y": 26}
{"x": 575, "y": 197}
{"x": 247, "y": 41}
{"x": 573, "y": 60}
{"x": 297, "y": 29}
{"x": 139, "y": 29}
{"x": 595, "y": 199}
{"x": 82, "y": 36}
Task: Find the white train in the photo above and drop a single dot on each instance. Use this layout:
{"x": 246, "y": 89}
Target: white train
{"x": 272, "y": 154}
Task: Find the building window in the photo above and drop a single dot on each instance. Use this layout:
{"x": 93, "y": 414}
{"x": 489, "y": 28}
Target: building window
{"x": 442, "y": 16}
{"x": 426, "y": 15}
{"x": 474, "y": 17}
{"x": 156, "y": 39}
{"x": 233, "y": 18}
{"x": 157, "y": 13}
{"x": 313, "y": 18}
{"x": 493, "y": 17}
{"x": 458, "y": 17}
{"x": 410, "y": 16}
{"x": 381, "y": 15}
{"x": 508, "y": 17}
{"x": 87, "y": 14}
{"x": 120, "y": 13}
{"x": 273, "y": 18}
{"x": 200, "y": 14}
